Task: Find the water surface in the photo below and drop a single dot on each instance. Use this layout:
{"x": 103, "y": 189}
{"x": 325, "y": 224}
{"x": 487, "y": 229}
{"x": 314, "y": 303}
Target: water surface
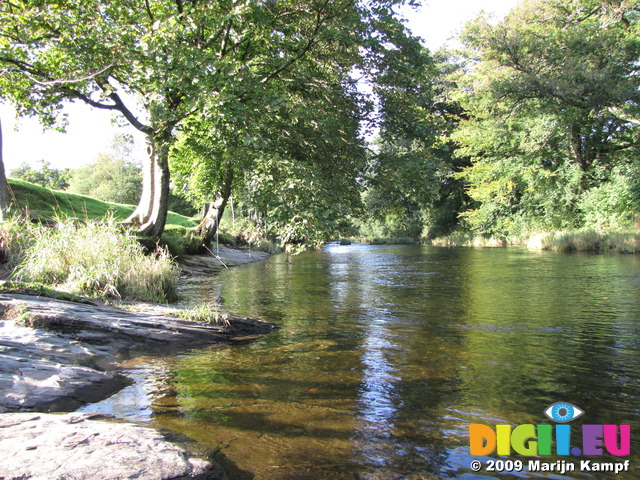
{"x": 387, "y": 354}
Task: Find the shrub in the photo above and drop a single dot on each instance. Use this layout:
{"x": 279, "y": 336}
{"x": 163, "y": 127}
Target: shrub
{"x": 392, "y": 241}
{"x": 98, "y": 259}
{"x": 181, "y": 241}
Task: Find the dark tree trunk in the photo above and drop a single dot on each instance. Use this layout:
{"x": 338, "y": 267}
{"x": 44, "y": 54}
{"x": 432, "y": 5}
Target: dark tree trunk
{"x": 4, "y": 186}
{"x": 209, "y": 225}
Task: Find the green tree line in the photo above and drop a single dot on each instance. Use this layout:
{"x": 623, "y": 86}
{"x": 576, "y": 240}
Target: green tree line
{"x": 533, "y": 124}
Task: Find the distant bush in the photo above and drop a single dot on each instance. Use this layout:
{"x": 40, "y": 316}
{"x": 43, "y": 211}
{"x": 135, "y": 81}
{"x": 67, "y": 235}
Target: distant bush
{"x": 393, "y": 241}
{"x": 108, "y": 179}
{"x": 98, "y": 259}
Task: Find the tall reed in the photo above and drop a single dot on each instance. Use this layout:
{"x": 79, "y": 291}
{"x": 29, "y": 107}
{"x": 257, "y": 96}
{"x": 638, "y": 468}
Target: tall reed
{"x": 98, "y": 259}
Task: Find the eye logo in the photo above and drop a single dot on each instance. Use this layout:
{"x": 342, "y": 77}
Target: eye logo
{"x": 563, "y": 412}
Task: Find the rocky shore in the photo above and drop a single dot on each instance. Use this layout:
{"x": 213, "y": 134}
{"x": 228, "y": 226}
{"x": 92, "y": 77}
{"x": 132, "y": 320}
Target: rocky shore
{"x": 57, "y": 355}
{"x": 89, "y": 447}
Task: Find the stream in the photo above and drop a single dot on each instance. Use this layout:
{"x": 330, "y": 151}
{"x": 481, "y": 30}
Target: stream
{"x": 387, "y": 354}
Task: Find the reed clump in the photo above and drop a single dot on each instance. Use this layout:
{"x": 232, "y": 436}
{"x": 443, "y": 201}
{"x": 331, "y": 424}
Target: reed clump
{"x": 587, "y": 240}
{"x": 94, "y": 258}
{"x": 205, "y": 314}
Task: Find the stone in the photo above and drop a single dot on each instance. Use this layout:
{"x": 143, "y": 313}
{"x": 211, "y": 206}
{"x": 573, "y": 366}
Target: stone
{"x": 208, "y": 264}
{"x": 89, "y": 447}
{"x": 57, "y": 355}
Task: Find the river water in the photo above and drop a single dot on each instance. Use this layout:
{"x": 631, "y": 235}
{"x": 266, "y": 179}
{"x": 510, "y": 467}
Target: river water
{"x": 386, "y": 355}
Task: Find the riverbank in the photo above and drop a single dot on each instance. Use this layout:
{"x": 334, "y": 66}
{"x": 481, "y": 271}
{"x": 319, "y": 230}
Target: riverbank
{"x": 56, "y": 355}
{"x": 587, "y": 240}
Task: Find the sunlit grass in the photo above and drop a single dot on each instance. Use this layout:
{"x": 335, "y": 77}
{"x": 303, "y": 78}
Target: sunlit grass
{"x": 38, "y": 202}
{"x": 466, "y": 240}
{"x": 97, "y": 259}
{"x": 205, "y": 314}
{"x": 586, "y": 240}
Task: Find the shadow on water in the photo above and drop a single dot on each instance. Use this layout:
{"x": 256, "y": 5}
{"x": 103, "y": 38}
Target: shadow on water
{"x": 388, "y": 354}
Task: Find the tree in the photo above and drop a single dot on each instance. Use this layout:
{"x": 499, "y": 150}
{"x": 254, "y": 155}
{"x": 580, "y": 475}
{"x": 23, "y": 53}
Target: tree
{"x": 109, "y": 179}
{"x": 411, "y": 190}
{"x": 553, "y": 101}
{"x": 301, "y": 160}
{"x": 46, "y": 175}
{"x": 4, "y": 186}
{"x": 291, "y": 149}
{"x": 176, "y": 58}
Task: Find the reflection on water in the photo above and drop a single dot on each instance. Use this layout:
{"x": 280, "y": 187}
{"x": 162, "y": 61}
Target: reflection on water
{"x": 377, "y": 397}
{"x": 387, "y": 354}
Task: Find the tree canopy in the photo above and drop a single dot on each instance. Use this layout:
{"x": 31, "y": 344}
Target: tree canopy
{"x": 533, "y": 124}
{"x": 554, "y": 108}
{"x": 159, "y": 63}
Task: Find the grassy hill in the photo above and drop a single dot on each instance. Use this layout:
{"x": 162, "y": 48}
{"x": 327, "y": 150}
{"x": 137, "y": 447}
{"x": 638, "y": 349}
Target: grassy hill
{"x": 40, "y": 202}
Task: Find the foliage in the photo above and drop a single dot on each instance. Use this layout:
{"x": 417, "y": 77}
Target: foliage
{"x": 108, "y": 179}
{"x": 235, "y": 55}
{"x": 179, "y": 204}
{"x": 45, "y": 176}
{"x": 292, "y": 149}
{"x": 411, "y": 189}
{"x": 393, "y": 241}
{"x": 181, "y": 242}
{"x": 613, "y": 204}
{"x": 553, "y": 104}
{"x": 97, "y": 259}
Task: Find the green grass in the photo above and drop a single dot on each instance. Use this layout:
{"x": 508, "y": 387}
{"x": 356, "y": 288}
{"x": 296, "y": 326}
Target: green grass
{"x": 41, "y": 203}
{"x": 97, "y": 259}
{"x": 205, "y": 314}
{"x": 40, "y": 290}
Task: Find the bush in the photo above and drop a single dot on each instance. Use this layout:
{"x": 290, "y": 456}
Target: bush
{"x": 392, "y": 241}
{"x": 181, "y": 242}
{"x": 614, "y": 204}
{"x": 98, "y": 259}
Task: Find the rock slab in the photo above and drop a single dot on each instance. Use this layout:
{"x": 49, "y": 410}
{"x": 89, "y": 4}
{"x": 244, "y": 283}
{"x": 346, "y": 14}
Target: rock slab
{"x": 57, "y": 355}
{"x": 81, "y": 447}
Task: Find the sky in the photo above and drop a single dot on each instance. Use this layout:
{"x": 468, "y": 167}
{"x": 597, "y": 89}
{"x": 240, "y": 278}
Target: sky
{"x": 91, "y": 131}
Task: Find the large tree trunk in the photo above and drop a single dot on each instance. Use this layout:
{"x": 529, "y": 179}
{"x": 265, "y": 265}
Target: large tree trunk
{"x": 4, "y": 186}
{"x": 151, "y": 213}
{"x": 209, "y": 225}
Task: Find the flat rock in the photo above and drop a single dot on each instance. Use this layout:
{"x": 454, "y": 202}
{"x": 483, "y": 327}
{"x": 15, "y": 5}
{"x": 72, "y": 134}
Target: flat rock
{"x": 82, "y": 447}
{"x": 57, "y": 355}
{"x": 228, "y": 257}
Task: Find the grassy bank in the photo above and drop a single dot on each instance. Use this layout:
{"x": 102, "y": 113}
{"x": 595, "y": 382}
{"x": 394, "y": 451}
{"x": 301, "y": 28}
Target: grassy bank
{"x": 38, "y": 202}
{"x": 586, "y": 240}
{"x": 88, "y": 252}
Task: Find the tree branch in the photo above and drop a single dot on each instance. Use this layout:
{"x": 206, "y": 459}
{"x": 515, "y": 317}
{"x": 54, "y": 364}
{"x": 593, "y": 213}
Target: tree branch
{"x": 149, "y": 12}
